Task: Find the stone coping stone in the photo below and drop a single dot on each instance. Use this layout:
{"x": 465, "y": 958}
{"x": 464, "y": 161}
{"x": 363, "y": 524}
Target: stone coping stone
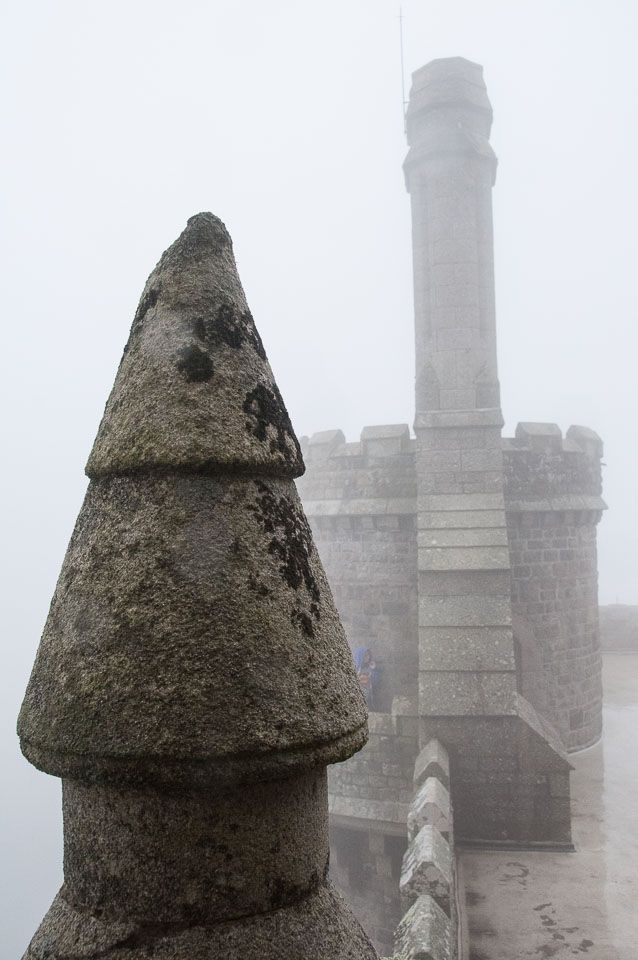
{"x": 558, "y": 504}
{"x": 424, "y": 933}
{"x": 427, "y": 868}
{"x": 432, "y": 761}
{"x": 431, "y": 805}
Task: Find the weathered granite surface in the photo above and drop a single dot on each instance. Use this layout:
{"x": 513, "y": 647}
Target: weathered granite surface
{"x": 193, "y": 679}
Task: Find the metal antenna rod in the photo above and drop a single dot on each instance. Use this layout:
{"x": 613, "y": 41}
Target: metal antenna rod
{"x": 402, "y": 68}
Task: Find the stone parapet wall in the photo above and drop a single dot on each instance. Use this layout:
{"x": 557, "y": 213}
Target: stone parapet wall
{"x": 360, "y": 499}
{"x": 553, "y": 504}
{"x": 376, "y": 784}
{"x": 429, "y": 926}
{"x": 540, "y": 465}
{"x": 369, "y": 802}
{"x": 555, "y": 589}
{"x": 365, "y": 867}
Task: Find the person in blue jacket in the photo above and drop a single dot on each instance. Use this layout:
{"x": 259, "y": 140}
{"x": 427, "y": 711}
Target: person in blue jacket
{"x": 367, "y": 673}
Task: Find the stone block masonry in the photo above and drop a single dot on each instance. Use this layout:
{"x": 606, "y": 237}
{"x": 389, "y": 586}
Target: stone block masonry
{"x": 361, "y": 502}
{"x": 553, "y": 507}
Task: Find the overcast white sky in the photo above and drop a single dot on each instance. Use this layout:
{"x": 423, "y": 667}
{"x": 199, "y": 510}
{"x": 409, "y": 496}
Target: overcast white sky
{"x": 122, "y": 119}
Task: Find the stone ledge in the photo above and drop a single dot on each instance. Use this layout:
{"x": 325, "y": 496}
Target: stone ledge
{"x": 377, "y": 507}
{"x": 573, "y": 502}
{"x": 459, "y": 418}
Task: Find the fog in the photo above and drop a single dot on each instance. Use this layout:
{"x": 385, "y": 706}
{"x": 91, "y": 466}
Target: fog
{"x": 285, "y": 119}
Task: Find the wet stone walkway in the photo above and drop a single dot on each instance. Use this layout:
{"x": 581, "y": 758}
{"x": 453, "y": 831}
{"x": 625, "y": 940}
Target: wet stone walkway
{"x": 520, "y": 904}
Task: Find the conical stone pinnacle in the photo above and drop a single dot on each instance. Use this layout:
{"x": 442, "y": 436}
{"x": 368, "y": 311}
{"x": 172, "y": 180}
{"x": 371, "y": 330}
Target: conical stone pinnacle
{"x": 194, "y": 389}
{"x": 192, "y": 637}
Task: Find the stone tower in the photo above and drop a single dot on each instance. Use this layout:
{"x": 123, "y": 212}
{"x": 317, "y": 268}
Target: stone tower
{"x": 193, "y": 679}
{"x": 465, "y": 561}
{"x": 468, "y": 695}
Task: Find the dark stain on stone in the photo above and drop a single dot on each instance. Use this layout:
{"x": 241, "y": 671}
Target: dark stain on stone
{"x": 302, "y": 619}
{"x": 265, "y": 408}
{"x": 584, "y": 945}
{"x": 547, "y": 921}
{"x": 195, "y": 364}
{"x": 472, "y": 898}
{"x": 227, "y": 325}
{"x": 557, "y": 936}
{"x": 146, "y": 303}
{"x": 520, "y": 878}
{"x": 542, "y": 906}
{"x": 549, "y": 949}
{"x": 291, "y": 544}
{"x": 478, "y": 928}
{"x": 260, "y": 589}
{"x": 478, "y": 954}
{"x": 284, "y": 894}
{"x": 228, "y": 328}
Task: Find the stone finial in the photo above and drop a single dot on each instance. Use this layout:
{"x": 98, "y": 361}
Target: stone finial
{"x": 194, "y": 389}
{"x": 193, "y": 679}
